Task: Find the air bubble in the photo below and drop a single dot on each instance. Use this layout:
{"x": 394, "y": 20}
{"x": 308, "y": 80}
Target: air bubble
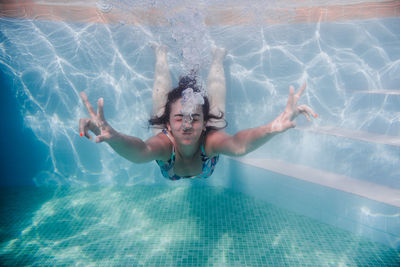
{"x": 104, "y": 6}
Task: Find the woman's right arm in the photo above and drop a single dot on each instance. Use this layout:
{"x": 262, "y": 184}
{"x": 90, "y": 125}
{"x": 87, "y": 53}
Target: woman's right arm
{"x": 138, "y": 151}
{"x": 132, "y": 148}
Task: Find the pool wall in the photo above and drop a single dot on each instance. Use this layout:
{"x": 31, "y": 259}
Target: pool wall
{"x": 369, "y": 215}
{"x": 372, "y": 219}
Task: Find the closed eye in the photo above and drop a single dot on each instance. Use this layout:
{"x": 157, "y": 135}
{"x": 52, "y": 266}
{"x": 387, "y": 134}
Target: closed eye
{"x": 179, "y": 117}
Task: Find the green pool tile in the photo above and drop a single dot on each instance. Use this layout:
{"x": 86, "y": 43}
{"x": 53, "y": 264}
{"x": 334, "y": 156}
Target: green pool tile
{"x": 160, "y": 226}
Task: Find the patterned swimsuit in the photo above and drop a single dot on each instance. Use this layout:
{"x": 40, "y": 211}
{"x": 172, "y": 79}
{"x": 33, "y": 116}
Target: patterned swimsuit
{"x": 167, "y": 168}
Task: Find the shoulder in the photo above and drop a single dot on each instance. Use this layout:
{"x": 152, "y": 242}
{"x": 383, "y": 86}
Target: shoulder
{"x": 213, "y": 140}
{"x": 160, "y": 145}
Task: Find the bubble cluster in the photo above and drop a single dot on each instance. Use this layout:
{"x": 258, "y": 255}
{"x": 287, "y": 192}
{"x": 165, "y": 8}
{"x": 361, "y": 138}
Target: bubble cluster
{"x": 190, "y": 101}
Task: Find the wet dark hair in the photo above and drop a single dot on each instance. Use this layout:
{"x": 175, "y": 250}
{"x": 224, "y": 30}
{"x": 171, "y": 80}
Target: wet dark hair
{"x": 184, "y": 83}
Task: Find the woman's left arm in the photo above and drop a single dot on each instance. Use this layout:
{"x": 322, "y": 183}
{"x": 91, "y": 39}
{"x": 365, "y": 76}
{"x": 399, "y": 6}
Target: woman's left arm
{"x": 248, "y": 140}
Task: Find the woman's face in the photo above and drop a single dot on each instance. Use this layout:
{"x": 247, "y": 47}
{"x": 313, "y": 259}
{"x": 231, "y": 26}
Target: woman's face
{"x": 184, "y": 131}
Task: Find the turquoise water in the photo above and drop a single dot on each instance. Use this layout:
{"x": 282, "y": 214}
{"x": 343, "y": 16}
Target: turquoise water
{"x": 169, "y": 226}
{"x": 44, "y": 65}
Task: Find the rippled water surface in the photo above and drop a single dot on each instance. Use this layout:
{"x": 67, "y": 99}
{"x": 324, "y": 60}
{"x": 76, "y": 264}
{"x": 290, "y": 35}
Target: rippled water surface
{"x": 352, "y": 70}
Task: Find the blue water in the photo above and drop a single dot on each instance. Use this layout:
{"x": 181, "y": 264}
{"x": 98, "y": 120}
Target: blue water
{"x": 47, "y": 64}
{"x": 44, "y": 65}
{"x": 22, "y": 155}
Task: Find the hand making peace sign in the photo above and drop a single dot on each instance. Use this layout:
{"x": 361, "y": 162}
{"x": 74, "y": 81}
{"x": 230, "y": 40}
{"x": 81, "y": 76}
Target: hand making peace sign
{"x": 286, "y": 120}
{"x": 96, "y": 123}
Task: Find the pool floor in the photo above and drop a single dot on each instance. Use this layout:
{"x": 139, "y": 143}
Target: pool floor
{"x": 169, "y": 226}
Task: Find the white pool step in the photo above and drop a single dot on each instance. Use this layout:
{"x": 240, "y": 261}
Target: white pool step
{"x": 379, "y": 92}
{"x": 353, "y": 134}
{"x": 344, "y": 183}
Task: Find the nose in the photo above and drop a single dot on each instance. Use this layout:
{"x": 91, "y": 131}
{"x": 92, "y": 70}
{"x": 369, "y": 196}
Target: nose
{"x": 186, "y": 125}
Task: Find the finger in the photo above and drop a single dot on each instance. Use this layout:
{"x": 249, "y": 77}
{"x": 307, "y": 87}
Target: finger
{"x": 301, "y": 90}
{"x": 83, "y": 128}
{"x": 86, "y": 130}
{"x": 298, "y": 95}
{"x": 307, "y": 111}
{"x": 290, "y": 99}
{"x": 307, "y": 115}
{"x": 87, "y": 104}
{"x": 100, "y": 105}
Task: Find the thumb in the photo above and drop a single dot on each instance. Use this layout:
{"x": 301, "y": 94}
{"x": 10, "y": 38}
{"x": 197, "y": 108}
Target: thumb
{"x": 100, "y": 138}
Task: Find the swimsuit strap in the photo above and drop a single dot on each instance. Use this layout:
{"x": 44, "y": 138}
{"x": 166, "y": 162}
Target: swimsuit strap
{"x": 164, "y": 131}
{"x": 203, "y": 154}
{"x": 202, "y": 150}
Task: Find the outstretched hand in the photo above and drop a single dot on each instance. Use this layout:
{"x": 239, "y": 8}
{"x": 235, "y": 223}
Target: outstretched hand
{"x": 285, "y": 120}
{"x": 96, "y": 123}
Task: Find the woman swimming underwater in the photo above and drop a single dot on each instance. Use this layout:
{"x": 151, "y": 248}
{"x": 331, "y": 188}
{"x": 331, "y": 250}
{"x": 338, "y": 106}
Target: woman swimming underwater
{"x": 190, "y": 137}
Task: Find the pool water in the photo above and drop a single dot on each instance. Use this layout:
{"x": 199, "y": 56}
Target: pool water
{"x": 169, "y": 226}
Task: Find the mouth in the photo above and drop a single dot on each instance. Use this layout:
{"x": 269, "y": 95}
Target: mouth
{"x": 187, "y": 132}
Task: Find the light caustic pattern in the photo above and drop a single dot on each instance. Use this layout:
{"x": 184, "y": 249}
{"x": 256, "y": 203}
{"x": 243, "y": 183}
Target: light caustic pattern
{"x": 49, "y": 63}
{"x": 181, "y": 226}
